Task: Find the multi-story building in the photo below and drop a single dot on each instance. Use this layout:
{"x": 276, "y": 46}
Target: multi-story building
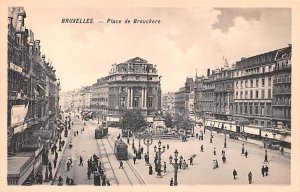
{"x": 133, "y": 85}
{"x": 282, "y": 89}
{"x": 207, "y": 93}
{"x": 253, "y": 89}
{"x": 99, "y": 98}
{"x": 168, "y": 102}
{"x": 184, "y": 98}
{"x": 33, "y": 96}
{"x": 223, "y": 93}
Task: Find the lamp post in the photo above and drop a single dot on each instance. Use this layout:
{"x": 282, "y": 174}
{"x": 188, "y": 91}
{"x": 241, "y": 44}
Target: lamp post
{"x": 159, "y": 153}
{"x": 98, "y": 112}
{"x": 175, "y": 164}
{"x": 148, "y": 142}
{"x": 266, "y": 150}
{"x": 243, "y": 144}
{"x": 211, "y": 133}
{"x": 139, "y": 137}
{"x": 225, "y": 143}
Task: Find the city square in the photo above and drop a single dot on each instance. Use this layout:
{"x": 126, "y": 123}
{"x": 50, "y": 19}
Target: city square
{"x": 172, "y": 109}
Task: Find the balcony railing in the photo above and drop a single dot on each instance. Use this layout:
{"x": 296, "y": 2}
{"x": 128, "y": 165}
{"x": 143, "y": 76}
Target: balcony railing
{"x": 281, "y": 103}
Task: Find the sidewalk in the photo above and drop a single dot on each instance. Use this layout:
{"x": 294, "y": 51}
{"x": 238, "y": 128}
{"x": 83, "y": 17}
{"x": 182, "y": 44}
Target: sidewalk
{"x": 259, "y": 143}
{"x": 51, "y": 158}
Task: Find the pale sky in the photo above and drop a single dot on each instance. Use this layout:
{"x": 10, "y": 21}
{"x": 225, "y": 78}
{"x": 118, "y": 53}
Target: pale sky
{"x": 186, "y": 39}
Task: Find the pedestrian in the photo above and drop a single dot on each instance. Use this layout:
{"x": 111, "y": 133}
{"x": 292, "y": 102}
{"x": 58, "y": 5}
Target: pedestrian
{"x": 104, "y": 181}
{"x": 150, "y": 170}
{"x": 180, "y": 163}
{"x": 171, "y": 182}
{"x": 107, "y": 183}
{"x": 60, "y": 180}
{"x": 134, "y": 159}
{"x": 191, "y": 160}
{"x": 142, "y": 150}
{"x": 80, "y": 161}
{"x": 54, "y": 163}
{"x": 217, "y": 164}
{"x": 70, "y": 161}
{"x": 246, "y": 153}
{"x": 184, "y": 165}
{"x": 68, "y": 166}
{"x": 128, "y": 140}
{"x": 74, "y": 134}
{"x": 165, "y": 167}
{"x": 215, "y": 151}
{"x": 224, "y": 159}
{"x": 263, "y": 171}
{"x": 56, "y": 155}
{"x": 196, "y": 135}
{"x": 121, "y": 165}
{"x": 168, "y": 146}
{"x": 234, "y": 174}
{"x": 201, "y": 148}
{"x": 266, "y": 170}
{"x": 282, "y": 150}
{"x": 250, "y": 177}
{"x": 89, "y": 174}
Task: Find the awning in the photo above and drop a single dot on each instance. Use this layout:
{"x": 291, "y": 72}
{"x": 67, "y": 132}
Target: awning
{"x": 41, "y": 87}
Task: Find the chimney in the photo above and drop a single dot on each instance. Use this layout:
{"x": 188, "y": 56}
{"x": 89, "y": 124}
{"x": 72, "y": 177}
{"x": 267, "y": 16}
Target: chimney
{"x": 208, "y": 72}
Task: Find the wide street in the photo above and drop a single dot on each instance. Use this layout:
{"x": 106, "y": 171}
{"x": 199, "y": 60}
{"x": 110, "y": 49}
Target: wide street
{"x": 201, "y": 172}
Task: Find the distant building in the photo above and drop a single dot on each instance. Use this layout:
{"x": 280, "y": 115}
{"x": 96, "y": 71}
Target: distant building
{"x": 184, "y": 98}
{"x": 168, "y": 102}
{"x": 281, "y": 103}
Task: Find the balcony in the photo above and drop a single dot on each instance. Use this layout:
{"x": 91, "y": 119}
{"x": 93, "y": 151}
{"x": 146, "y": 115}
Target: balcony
{"x": 281, "y": 117}
{"x": 281, "y": 103}
{"x": 281, "y": 92}
{"x": 284, "y": 67}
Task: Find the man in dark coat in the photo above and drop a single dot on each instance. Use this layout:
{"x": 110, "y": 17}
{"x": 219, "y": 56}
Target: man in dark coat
{"x": 250, "y": 177}
{"x": 263, "y": 171}
{"x": 54, "y": 163}
{"x": 266, "y": 170}
{"x": 234, "y": 174}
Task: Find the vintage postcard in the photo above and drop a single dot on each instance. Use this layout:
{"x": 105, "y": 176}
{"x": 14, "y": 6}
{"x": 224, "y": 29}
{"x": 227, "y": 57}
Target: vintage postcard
{"x": 149, "y": 95}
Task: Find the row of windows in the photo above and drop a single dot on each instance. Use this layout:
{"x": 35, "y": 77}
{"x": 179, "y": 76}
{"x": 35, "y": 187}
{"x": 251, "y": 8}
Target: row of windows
{"x": 253, "y": 95}
{"x": 255, "y": 70}
{"x": 252, "y": 109}
{"x": 250, "y": 83}
{"x": 136, "y": 102}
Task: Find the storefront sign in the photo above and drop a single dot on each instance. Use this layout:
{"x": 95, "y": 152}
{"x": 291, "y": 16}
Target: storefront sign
{"x": 15, "y": 67}
{"x": 18, "y": 114}
{"x": 20, "y": 128}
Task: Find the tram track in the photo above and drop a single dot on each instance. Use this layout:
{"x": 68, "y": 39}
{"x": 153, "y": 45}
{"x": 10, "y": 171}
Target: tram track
{"x": 132, "y": 168}
{"x": 101, "y": 158}
{"x": 131, "y": 174}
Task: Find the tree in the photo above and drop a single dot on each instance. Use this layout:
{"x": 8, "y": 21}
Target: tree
{"x": 168, "y": 120}
{"x": 133, "y": 120}
{"x": 182, "y": 122}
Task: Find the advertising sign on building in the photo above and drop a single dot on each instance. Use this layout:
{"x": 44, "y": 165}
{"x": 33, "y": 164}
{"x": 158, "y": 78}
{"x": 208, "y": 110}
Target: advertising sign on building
{"x": 18, "y": 114}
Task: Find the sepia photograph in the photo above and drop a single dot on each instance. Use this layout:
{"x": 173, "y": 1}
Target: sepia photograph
{"x": 109, "y": 96}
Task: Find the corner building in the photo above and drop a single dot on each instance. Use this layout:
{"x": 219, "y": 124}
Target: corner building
{"x": 133, "y": 85}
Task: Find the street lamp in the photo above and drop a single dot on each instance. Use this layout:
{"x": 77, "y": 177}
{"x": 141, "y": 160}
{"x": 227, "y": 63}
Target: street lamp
{"x": 266, "y": 150}
{"x": 139, "y": 137}
{"x": 243, "y": 145}
{"x": 211, "y": 133}
{"x": 159, "y": 152}
{"x": 148, "y": 142}
{"x": 225, "y": 143}
{"x": 175, "y": 164}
